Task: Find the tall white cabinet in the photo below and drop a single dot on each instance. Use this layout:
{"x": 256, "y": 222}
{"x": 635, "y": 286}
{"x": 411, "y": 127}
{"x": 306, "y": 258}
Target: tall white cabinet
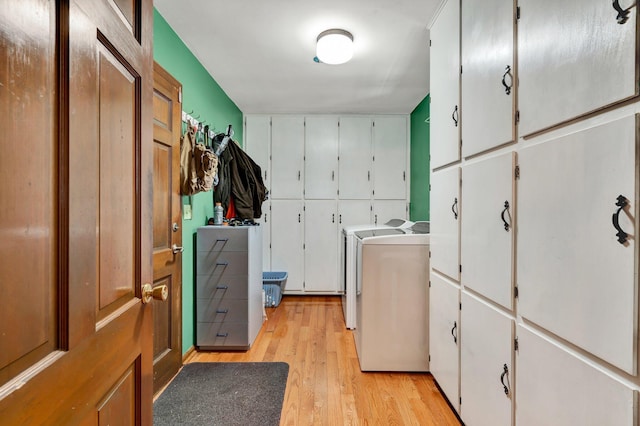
{"x": 542, "y": 256}
{"x": 326, "y": 172}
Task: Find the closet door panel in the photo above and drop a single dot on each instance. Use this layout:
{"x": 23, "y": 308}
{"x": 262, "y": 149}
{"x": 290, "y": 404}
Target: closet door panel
{"x": 487, "y": 74}
{"x": 287, "y": 239}
{"x": 287, "y": 156}
{"x": 573, "y": 58}
{"x": 354, "y": 212}
{"x": 486, "y": 340}
{"x": 570, "y": 262}
{"x": 557, "y": 388}
{"x": 445, "y": 86}
{"x": 265, "y": 224}
{"x": 487, "y": 228}
{"x": 445, "y": 214}
{"x": 321, "y": 246}
{"x": 385, "y": 210}
{"x": 444, "y": 332}
{"x": 390, "y": 157}
{"x": 355, "y": 158}
{"x": 321, "y": 158}
{"x": 257, "y": 143}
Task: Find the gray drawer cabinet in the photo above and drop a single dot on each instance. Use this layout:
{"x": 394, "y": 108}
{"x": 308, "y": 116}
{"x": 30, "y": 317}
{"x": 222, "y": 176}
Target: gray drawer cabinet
{"x": 228, "y": 286}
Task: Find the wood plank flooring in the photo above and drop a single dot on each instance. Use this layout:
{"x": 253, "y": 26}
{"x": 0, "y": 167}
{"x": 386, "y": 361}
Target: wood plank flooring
{"x": 325, "y": 385}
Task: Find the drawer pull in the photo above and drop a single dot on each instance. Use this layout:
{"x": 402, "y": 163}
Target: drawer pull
{"x": 222, "y": 287}
{"x": 621, "y": 203}
{"x": 505, "y": 371}
{"x": 221, "y": 240}
{"x": 222, "y": 311}
{"x": 454, "y": 333}
{"x": 507, "y": 87}
{"x": 506, "y": 224}
{"x": 222, "y": 263}
{"x": 222, "y": 334}
{"x": 454, "y": 208}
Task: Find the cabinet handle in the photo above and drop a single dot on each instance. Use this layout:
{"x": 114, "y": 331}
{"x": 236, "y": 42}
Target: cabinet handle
{"x": 333, "y": 218}
{"x": 265, "y": 175}
{"x": 623, "y": 14}
{"x": 333, "y": 175}
{"x": 621, "y": 203}
{"x": 507, "y": 87}
{"x": 222, "y": 263}
{"x": 454, "y": 333}
{"x": 298, "y": 217}
{"x": 454, "y": 116}
{"x": 222, "y": 311}
{"x": 375, "y": 222}
{"x": 222, "y": 334}
{"x": 454, "y": 208}
{"x": 298, "y": 174}
{"x": 340, "y": 218}
{"x": 505, "y": 371}
{"x": 404, "y": 176}
{"x": 506, "y": 207}
{"x": 222, "y": 287}
{"x": 221, "y": 240}
{"x": 265, "y": 218}
{"x": 368, "y": 175}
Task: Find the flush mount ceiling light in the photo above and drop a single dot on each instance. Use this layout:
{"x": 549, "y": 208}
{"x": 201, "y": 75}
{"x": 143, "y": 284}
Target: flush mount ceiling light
{"x": 334, "y": 46}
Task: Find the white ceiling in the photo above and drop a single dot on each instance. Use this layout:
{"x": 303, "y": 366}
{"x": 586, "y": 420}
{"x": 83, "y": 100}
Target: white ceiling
{"x": 261, "y": 52}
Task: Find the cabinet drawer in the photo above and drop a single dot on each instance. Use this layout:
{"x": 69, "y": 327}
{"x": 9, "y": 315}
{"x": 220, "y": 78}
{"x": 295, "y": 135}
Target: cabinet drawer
{"x": 221, "y": 310}
{"x": 221, "y": 286}
{"x": 221, "y": 263}
{"x": 219, "y": 239}
{"x": 210, "y": 335}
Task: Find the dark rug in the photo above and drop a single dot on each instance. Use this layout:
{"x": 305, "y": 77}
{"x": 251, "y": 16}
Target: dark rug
{"x": 224, "y": 393}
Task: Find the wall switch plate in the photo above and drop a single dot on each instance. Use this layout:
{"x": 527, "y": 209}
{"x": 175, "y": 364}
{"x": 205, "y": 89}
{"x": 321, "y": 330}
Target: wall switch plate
{"x": 187, "y": 211}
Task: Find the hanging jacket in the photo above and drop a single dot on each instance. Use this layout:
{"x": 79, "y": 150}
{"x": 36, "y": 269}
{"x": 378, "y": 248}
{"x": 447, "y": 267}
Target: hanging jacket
{"x": 247, "y": 187}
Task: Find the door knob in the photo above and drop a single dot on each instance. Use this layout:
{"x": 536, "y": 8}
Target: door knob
{"x": 159, "y": 292}
{"x": 177, "y": 249}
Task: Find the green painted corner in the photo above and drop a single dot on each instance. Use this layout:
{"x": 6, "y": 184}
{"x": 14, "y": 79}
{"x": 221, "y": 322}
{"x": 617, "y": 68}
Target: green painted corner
{"x": 420, "y": 161}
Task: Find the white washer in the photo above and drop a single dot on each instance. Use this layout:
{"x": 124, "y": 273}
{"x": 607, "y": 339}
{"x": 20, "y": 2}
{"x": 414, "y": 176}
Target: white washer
{"x": 348, "y": 265}
{"x": 392, "y": 306}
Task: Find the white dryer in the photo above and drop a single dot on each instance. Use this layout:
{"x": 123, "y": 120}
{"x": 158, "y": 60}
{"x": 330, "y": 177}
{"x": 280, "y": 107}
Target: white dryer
{"x": 392, "y": 305}
{"x": 348, "y": 264}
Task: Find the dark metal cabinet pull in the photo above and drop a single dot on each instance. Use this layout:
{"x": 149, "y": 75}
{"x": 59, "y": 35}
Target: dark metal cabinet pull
{"x": 222, "y": 334}
{"x": 505, "y": 371}
{"x": 506, "y": 207}
{"x": 623, "y": 14}
{"x": 454, "y": 116}
{"x": 507, "y": 87}
{"x": 454, "y": 332}
{"x": 222, "y": 311}
{"x": 333, "y": 218}
{"x": 454, "y": 208}
{"x": 222, "y": 263}
{"x": 222, "y": 287}
{"x": 621, "y": 203}
{"x": 221, "y": 240}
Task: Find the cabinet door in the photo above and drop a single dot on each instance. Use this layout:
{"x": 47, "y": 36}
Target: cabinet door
{"x": 287, "y": 240}
{"x": 265, "y": 224}
{"x": 486, "y": 372}
{"x": 573, "y": 58}
{"x": 287, "y": 156}
{"x": 257, "y": 143}
{"x": 444, "y": 329}
{"x": 321, "y": 158}
{"x": 445, "y": 215}
{"x": 487, "y": 74}
{"x": 354, "y": 212}
{"x": 355, "y": 158}
{"x": 487, "y": 228}
{"x": 385, "y": 210}
{"x": 557, "y": 388}
{"x": 570, "y": 262}
{"x": 321, "y": 246}
{"x": 390, "y": 157}
{"x": 445, "y": 85}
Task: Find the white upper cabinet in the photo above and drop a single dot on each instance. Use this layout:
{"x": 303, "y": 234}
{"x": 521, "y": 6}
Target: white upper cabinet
{"x": 445, "y": 222}
{"x": 355, "y": 158}
{"x": 573, "y": 58}
{"x": 287, "y": 156}
{"x": 321, "y": 158}
{"x": 257, "y": 143}
{"x": 488, "y": 79}
{"x": 445, "y": 86}
{"x": 486, "y": 368}
{"x": 444, "y": 333}
{"x": 487, "y": 228}
{"x": 390, "y": 143}
{"x": 287, "y": 242}
{"x": 557, "y": 388}
{"x": 576, "y": 201}
{"x": 321, "y": 246}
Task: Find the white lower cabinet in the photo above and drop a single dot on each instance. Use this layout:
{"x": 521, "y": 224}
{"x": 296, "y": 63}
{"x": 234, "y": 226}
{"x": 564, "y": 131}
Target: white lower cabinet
{"x": 321, "y": 246}
{"x": 486, "y": 367}
{"x": 444, "y": 332}
{"x": 287, "y": 239}
{"x": 385, "y": 210}
{"x": 265, "y": 224}
{"x": 557, "y": 388}
{"x": 445, "y": 222}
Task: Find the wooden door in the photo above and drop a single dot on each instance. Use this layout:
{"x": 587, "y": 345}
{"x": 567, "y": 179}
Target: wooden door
{"x": 321, "y": 158}
{"x": 390, "y": 157}
{"x": 320, "y": 246}
{"x": 167, "y": 234}
{"x": 445, "y": 85}
{"x": 76, "y": 167}
{"x": 354, "y": 162}
{"x": 287, "y": 156}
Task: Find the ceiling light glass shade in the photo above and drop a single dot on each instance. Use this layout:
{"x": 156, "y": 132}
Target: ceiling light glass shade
{"x": 334, "y": 46}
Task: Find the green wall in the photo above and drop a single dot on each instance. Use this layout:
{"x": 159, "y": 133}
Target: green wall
{"x": 202, "y": 95}
{"x": 420, "y": 161}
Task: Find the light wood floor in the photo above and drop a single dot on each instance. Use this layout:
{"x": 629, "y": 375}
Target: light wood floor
{"x": 325, "y": 385}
